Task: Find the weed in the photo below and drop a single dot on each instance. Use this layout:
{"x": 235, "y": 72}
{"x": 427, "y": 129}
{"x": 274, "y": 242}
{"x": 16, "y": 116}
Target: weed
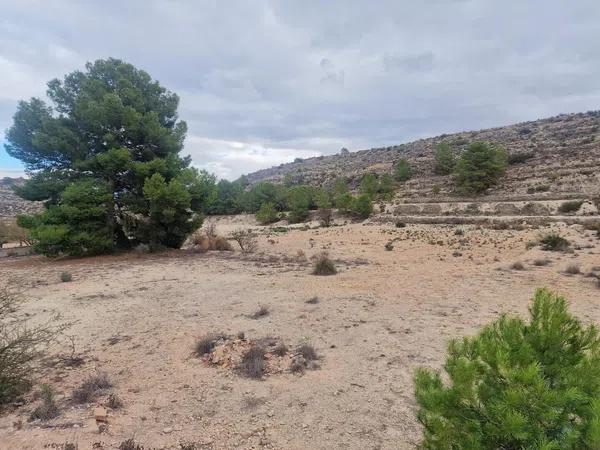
{"x": 48, "y": 409}
{"x": 280, "y": 349}
{"x": 308, "y": 352}
{"x": 114, "y": 402}
{"x": 206, "y": 344}
{"x": 324, "y": 265}
{"x": 130, "y": 444}
{"x": 253, "y": 362}
{"x": 91, "y": 388}
{"x": 573, "y": 269}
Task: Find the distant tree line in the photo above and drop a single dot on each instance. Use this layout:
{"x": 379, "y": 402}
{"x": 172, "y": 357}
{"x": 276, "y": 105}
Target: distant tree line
{"x": 105, "y": 159}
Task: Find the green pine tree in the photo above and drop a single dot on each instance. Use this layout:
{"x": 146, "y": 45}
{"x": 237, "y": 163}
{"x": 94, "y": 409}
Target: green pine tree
{"x": 112, "y": 124}
{"x": 479, "y": 167}
{"x": 517, "y": 385}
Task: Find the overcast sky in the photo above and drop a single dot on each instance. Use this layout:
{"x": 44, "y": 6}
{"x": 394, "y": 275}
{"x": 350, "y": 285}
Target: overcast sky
{"x": 262, "y": 82}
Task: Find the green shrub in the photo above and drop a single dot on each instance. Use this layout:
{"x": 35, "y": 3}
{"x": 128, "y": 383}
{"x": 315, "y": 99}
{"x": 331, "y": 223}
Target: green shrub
{"x": 267, "y": 214}
{"x": 299, "y": 201}
{"x": 517, "y": 385}
{"x": 362, "y": 206}
{"x": 554, "y": 242}
{"x": 66, "y": 277}
{"x": 344, "y": 202}
{"x": 444, "y": 159}
{"x": 570, "y": 206}
{"x": 369, "y": 185}
{"x": 479, "y": 167}
{"x": 402, "y": 171}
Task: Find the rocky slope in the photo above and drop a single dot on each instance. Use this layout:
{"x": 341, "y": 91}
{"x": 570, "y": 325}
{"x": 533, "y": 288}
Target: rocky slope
{"x": 10, "y": 204}
{"x": 563, "y": 161}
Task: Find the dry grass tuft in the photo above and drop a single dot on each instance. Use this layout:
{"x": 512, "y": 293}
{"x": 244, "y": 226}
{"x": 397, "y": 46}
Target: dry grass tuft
{"x": 253, "y": 362}
{"x": 91, "y": 388}
{"x": 324, "y": 265}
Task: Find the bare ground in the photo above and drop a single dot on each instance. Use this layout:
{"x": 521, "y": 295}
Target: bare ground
{"x": 137, "y": 318}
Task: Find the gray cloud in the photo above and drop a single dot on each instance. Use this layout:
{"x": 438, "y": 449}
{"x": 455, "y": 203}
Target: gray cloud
{"x": 266, "y": 81}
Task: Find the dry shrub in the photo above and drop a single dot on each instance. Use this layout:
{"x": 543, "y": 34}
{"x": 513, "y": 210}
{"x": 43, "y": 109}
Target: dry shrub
{"x": 246, "y": 239}
{"x": 262, "y": 311}
{"x": 325, "y": 217}
{"x": 114, "y": 402}
{"x": 518, "y": 265}
{"x": 313, "y": 300}
{"x": 206, "y": 344}
{"x": 91, "y": 388}
{"x": 324, "y": 265}
{"x": 280, "y": 349}
{"x": 130, "y": 444}
{"x": 48, "y": 409}
{"x": 203, "y": 241}
{"x": 308, "y": 352}
{"x": 541, "y": 262}
{"x": 20, "y": 344}
{"x": 253, "y": 362}
{"x": 573, "y": 269}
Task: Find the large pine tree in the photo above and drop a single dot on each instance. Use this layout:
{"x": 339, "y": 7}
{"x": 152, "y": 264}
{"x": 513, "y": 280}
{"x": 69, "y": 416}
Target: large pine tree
{"x": 105, "y": 157}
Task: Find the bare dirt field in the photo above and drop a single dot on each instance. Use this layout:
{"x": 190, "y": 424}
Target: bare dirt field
{"x": 138, "y": 317}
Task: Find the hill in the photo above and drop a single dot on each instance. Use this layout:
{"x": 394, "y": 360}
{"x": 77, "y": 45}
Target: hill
{"x": 10, "y": 204}
{"x": 559, "y": 158}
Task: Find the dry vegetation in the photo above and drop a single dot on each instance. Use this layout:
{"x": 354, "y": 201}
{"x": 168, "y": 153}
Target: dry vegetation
{"x": 263, "y": 353}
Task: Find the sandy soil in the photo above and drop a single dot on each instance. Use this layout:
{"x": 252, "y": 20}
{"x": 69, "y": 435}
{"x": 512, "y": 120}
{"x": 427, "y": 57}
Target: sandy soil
{"x": 137, "y": 318}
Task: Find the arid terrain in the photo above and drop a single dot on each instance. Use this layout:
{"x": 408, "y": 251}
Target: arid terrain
{"x": 137, "y": 318}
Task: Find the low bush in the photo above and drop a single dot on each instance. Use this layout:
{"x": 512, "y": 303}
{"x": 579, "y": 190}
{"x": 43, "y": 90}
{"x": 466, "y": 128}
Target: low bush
{"x": 573, "y": 269}
{"x": 203, "y": 241}
{"x": 47, "y": 409}
{"x": 66, "y": 277}
{"x": 517, "y": 385}
{"x": 20, "y": 344}
{"x": 554, "y": 242}
{"x": 324, "y": 265}
{"x": 518, "y": 265}
{"x": 267, "y": 214}
{"x": 325, "y": 216}
{"x": 570, "y": 206}
{"x": 206, "y": 344}
{"x": 519, "y": 158}
{"x": 91, "y": 388}
{"x": 253, "y": 362}
{"x": 246, "y": 239}
{"x": 541, "y": 262}
{"x": 362, "y": 206}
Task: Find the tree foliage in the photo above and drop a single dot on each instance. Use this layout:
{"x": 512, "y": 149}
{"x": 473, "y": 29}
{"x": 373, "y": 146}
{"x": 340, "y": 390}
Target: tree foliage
{"x": 517, "y": 385}
{"x": 267, "y": 214}
{"x": 402, "y": 171}
{"x": 444, "y": 159}
{"x": 109, "y": 143}
{"x": 479, "y": 167}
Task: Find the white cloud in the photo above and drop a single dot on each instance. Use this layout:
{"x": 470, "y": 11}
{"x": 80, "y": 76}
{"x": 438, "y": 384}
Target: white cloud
{"x": 266, "y": 81}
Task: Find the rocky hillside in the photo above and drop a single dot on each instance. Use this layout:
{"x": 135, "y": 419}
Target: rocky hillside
{"x": 10, "y": 204}
{"x": 561, "y": 160}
